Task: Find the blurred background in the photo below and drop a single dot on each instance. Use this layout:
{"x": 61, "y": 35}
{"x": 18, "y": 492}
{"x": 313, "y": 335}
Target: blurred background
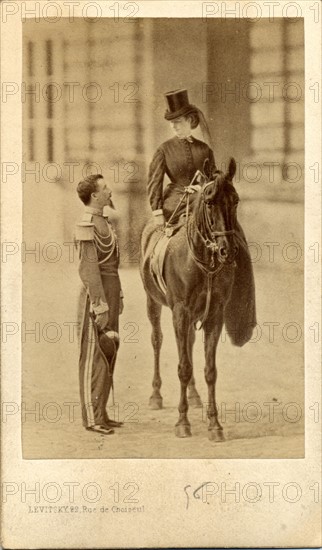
{"x": 93, "y": 98}
{"x": 94, "y": 102}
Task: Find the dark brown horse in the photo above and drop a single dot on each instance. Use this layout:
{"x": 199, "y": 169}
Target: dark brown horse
{"x": 204, "y": 285}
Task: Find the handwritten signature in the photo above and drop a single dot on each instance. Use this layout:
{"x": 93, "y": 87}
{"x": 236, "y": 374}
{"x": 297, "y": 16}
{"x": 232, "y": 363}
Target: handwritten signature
{"x": 195, "y": 493}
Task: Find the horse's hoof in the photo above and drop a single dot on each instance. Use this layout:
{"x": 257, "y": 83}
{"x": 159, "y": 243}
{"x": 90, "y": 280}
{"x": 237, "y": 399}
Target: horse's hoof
{"x": 183, "y": 430}
{"x": 156, "y": 403}
{"x": 216, "y": 435}
{"x": 195, "y": 402}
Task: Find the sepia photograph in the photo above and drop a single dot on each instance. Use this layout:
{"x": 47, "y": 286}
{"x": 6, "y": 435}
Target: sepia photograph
{"x": 167, "y": 182}
{"x": 160, "y": 286}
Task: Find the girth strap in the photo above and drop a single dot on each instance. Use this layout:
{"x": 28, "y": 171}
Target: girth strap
{"x": 199, "y": 324}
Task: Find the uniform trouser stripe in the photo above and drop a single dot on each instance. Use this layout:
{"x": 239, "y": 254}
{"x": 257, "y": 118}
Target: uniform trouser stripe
{"x": 95, "y": 383}
{"x": 86, "y": 359}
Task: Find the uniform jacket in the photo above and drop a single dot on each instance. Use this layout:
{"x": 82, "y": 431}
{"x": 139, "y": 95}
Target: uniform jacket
{"x": 98, "y": 256}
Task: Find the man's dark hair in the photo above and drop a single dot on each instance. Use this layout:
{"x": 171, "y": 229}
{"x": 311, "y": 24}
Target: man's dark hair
{"x": 88, "y": 186}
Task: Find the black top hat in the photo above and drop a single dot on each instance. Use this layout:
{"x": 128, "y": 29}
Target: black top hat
{"x": 178, "y": 104}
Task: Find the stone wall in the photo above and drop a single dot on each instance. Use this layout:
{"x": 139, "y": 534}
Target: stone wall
{"x": 248, "y": 78}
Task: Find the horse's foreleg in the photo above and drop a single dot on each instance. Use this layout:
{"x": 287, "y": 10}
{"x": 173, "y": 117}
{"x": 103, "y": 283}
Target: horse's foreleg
{"x": 193, "y": 396}
{"x": 213, "y": 327}
{"x": 181, "y": 324}
{"x": 154, "y": 314}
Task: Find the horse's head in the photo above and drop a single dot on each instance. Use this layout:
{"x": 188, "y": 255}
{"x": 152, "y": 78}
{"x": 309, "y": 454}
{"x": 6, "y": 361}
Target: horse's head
{"x": 216, "y": 214}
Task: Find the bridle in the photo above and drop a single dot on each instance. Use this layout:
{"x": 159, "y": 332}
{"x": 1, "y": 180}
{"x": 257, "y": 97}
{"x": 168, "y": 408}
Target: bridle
{"x": 209, "y": 240}
{"x": 206, "y": 235}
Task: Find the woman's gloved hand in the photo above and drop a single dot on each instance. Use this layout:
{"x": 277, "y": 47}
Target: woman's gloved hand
{"x": 158, "y": 217}
{"x": 192, "y": 188}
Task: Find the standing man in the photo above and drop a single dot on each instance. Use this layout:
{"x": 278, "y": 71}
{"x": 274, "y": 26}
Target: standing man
{"x": 99, "y": 337}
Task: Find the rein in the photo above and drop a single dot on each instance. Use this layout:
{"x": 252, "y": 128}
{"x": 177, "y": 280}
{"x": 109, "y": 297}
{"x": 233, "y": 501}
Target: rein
{"x": 210, "y": 244}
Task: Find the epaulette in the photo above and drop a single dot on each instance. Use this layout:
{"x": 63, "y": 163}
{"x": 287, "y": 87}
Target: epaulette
{"x": 84, "y": 231}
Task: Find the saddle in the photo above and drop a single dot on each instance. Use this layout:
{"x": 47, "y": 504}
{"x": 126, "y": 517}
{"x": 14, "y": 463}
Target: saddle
{"x": 159, "y": 252}
{"x": 160, "y": 248}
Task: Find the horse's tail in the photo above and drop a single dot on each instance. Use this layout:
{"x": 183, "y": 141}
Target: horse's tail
{"x": 240, "y": 322}
{"x": 240, "y": 310}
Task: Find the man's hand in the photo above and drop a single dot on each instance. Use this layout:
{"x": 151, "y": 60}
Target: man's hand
{"x": 102, "y": 320}
{"x": 121, "y": 306}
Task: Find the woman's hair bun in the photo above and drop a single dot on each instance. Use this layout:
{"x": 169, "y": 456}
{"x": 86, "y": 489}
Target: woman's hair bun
{"x": 194, "y": 118}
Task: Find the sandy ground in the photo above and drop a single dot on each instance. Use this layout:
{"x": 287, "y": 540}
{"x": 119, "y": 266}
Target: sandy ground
{"x": 270, "y": 370}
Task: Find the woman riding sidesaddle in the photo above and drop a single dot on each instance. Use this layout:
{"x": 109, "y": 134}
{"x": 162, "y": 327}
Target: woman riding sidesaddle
{"x": 180, "y": 158}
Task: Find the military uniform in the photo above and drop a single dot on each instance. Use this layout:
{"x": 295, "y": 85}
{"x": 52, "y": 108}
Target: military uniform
{"x": 98, "y": 270}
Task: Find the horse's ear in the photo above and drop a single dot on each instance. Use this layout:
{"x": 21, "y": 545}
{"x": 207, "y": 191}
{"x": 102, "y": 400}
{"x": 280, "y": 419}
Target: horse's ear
{"x": 232, "y": 168}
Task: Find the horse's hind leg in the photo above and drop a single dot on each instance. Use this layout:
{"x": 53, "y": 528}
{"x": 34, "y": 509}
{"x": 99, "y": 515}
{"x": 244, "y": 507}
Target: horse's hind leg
{"x": 193, "y": 396}
{"x": 154, "y": 314}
